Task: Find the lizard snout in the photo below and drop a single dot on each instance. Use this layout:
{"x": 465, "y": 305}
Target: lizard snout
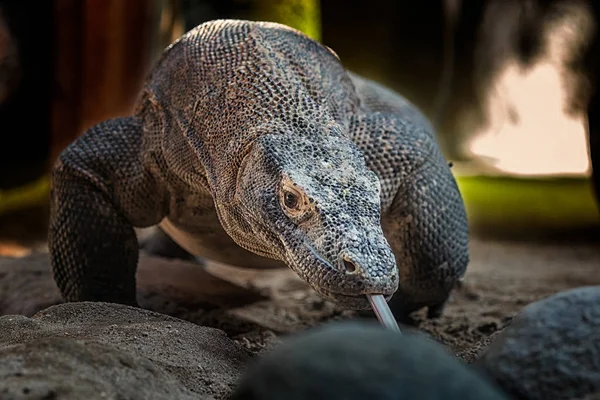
{"x": 367, "y": 272}
{"x": 347, "y": 275}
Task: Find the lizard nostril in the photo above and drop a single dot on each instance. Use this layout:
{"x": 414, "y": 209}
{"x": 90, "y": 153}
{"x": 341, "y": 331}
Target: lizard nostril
{"x": 350, "y": 267}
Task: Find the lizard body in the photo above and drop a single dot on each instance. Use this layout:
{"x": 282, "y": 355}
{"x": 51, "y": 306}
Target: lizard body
{"x": 252, "y": 145}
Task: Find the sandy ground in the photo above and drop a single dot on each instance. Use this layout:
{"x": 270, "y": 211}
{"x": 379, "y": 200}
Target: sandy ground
{"x": 502, "y": 278}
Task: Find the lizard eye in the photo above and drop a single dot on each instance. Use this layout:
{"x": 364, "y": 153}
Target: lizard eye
{"x": 293, "y": 201}
{"x": 290, "y": 200}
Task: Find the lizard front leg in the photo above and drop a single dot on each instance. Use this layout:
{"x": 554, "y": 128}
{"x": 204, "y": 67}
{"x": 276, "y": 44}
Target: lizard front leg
{"x": 100, "y": 191}
{"x": 424, "y": 218}
{"x": 426, "y": 226}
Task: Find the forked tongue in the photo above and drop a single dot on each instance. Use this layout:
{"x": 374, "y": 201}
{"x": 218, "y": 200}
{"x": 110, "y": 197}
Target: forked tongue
{"x": 383, "y": 312}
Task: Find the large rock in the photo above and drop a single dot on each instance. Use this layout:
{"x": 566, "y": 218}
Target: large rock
{"x": 551, "y": 350}
{"x": 59, "y": 368}
{"x": 362, "y": 361}
{"x": 99, "y": 350}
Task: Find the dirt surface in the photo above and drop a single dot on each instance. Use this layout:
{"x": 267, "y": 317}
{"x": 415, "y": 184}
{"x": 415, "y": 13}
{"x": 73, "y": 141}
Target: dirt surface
{"x": 502, "y": 278}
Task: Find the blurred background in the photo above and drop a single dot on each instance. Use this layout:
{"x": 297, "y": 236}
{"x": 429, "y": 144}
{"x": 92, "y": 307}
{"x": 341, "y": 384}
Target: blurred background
{"x": 509, "y": 85}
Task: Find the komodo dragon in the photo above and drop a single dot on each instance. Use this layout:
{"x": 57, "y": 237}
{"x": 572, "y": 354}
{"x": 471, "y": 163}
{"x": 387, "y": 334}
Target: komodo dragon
{"x": 251, "y": 145}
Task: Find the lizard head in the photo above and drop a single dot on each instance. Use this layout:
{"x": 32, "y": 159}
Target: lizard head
{"x": 312, "y": 203}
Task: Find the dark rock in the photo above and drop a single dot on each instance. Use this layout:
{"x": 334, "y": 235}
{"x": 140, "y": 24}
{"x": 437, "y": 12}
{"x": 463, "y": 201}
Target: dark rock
{"x": 551, "y": 350}
{"x": 591, "y": 396}
{"x": 361, "y": 361}
{"x": 80, "y": 350}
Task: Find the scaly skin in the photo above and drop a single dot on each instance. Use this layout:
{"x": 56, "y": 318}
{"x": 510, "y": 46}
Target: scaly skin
{"x": 252, "y": 145}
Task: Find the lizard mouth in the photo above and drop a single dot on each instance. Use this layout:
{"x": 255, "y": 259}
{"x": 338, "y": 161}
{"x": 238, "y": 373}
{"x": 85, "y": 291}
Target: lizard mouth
{"x": 348, "y": 301}
{"x": 353, "y": 302}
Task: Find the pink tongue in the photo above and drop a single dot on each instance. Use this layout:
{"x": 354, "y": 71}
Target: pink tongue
{"x": 382, "y": 310}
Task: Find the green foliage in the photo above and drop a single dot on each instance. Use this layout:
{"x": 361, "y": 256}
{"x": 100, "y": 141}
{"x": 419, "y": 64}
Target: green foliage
{"x": 304, "y": 15}
{"x": 25, "y": 196}
{"x": 528, "y": 203}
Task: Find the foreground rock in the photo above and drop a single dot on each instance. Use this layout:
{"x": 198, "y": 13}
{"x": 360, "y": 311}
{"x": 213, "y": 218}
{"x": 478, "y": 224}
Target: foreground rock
{"x": 98, "y": 350}
{"x": 362, "y": 361}
{"x": 551, "y": 350}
